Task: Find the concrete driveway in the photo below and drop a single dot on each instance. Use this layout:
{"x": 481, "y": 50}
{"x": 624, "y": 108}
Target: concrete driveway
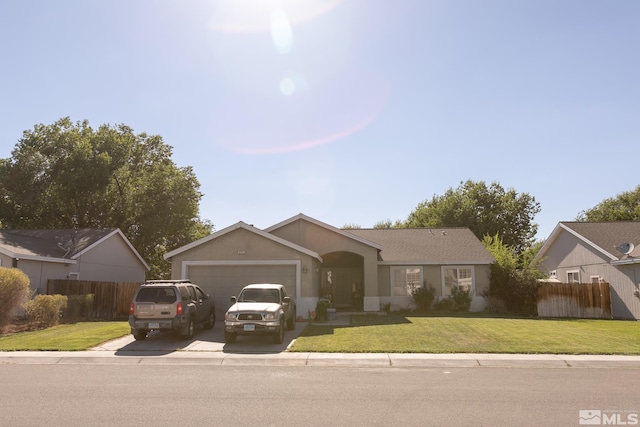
{"x": 204, "y": 340}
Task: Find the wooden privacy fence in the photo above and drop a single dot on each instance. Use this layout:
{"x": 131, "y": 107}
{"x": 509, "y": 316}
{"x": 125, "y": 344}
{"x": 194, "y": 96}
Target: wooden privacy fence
{"x": 111, "y": 299}
{"x": 579, "y": 300}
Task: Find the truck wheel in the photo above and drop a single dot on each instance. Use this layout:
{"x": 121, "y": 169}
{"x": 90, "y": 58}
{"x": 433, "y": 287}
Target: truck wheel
{"x": 140, "y": 334}
{"x": 229, "y": 337}
{"x": 189, "y": 331}
{"x": 211, "y": 321}
{"x": 291, "y": 322}
{"x": 278, "y": 337}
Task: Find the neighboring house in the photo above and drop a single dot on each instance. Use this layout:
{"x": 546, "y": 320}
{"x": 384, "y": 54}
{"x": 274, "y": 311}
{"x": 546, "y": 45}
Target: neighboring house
{"x": 587, "y": 252}
{"x": 361, "y": 270}
{"x": 84, "y": 254}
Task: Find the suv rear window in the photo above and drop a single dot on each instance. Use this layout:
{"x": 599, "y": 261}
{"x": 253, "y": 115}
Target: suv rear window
{"x": 157, "y": 295}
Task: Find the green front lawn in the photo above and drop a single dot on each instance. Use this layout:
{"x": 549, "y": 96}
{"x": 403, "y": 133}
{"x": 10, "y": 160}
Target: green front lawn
{"x": 415, "y": 334}
{"x": 68, "y": 337}
{"x": 395, "y": 334}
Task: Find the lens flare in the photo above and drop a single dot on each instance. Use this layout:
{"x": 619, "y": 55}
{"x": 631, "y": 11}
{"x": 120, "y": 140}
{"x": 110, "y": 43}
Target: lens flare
{"x": 281, "y": 32}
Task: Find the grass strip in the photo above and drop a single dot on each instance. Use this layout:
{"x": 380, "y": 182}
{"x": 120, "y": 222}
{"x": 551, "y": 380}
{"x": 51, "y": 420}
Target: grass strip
{"x": 68, "y": 337}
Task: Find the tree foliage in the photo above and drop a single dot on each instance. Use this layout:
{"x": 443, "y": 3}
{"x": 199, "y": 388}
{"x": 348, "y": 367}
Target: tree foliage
{"x": 623, "y": 207}
{"x": 514, "y": 277}
{"x": 69, "y": 175}
{"x": 486, "y": 209}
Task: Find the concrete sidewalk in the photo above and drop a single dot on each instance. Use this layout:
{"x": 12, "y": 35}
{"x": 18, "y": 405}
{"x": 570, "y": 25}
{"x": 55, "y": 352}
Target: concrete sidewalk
{"x": 353, "y": 360}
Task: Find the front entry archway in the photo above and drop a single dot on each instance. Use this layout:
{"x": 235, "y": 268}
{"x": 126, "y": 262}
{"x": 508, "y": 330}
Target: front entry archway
{"x": 341, "y": 280}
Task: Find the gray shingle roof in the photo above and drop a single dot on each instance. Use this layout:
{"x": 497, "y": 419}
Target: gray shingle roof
{"x": 609, "y": 235}
{"x": 427, "y": 245}
{"x": 65, "y": 243}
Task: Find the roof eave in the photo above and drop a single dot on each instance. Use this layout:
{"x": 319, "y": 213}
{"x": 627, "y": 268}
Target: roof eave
{"x": 431, "y": 262}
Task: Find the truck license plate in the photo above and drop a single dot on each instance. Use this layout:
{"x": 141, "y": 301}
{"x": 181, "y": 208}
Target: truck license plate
{"x": 154, "y": 325}
{"x": 249, "y": 328}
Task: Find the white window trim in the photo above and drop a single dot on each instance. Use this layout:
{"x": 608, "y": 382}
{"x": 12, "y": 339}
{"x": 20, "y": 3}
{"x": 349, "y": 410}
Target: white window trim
{"x": 402, "y": 267}
{"x": 473, "y": 278}
{"x": 73, "y": 276}
{"x": 598, "y": 279}
{"x": 571, "y": 272}
{"x": 553, "y": 274}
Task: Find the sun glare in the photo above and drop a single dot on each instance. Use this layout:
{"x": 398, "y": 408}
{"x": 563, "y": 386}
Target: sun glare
{"x": 249, "y": 16}
{"x": 290, "y": 86}
{"x": 281, "y": 32}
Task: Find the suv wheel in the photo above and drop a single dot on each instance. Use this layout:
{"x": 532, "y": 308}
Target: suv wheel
{"x": 229, "y": 337}
{"x": 278, "y": 337}
{"x": 140, "y": 334}
{"x": 189, "y": 331}
{"x": 211, "y": 321}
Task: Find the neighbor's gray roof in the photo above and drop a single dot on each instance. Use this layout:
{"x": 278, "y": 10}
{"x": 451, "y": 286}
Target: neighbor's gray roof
{"x": 609, "y": 235}
{"x": 427, "y": 245}
{"x": 55, "y": 244}
{"x": 63, "y": 243}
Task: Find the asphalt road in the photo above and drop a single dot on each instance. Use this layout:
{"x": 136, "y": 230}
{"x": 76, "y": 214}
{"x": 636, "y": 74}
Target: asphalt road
{"x": 205, "y": 395}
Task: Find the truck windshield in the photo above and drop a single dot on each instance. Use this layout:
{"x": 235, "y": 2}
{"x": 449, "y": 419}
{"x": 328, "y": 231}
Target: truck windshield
{"x": 259, "y": 295}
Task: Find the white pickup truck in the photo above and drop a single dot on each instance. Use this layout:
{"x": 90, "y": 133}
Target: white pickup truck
{"x": 260, "y": 309}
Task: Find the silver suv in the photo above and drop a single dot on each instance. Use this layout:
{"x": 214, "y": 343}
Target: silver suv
{"x": 170, "y": 305}
{"x": 260, "y": 309}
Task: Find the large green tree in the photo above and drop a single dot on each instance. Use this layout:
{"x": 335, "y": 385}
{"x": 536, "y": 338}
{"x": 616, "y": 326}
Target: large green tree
{"x": 69, "y": 175}
{"x": 623, "y": 207}
{"x": 488, "y": 210}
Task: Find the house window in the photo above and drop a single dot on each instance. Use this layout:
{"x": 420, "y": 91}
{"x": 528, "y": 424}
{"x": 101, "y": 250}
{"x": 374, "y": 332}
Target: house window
{"x": 404, "y": 280}
{"x": 552, "y": 274}
{"x": 595, "y": 279}
{"x": 74, "y": 276}
{"x": 573, "y": 276}
{"x": 457, "y": 276}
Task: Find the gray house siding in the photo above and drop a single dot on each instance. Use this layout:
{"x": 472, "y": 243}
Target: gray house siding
{"x": 110, "y": 261}
{"x": 569, "y": 253}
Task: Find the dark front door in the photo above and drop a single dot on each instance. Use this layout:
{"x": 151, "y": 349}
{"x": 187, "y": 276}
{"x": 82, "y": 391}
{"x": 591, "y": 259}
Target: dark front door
{"x": 344, "y": 286}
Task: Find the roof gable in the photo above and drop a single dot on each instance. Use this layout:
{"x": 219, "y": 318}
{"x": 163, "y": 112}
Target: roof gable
{"x": 321, "y": 224}
{"x": 605, "y": 237}
{"x": 426, "y": 245}
{"x": 244, "y": 226}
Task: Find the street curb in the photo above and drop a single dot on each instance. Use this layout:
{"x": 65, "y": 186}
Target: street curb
{"x": 352, "y": 360}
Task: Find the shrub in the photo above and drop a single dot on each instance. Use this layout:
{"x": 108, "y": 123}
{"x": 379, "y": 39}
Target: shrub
{"x": 79, "y": 306}
{"x": 423, "y": 296}
{"x": 461, "y": 298}
{"x": 445, "y": 304}
{"x": 321, "y": 309}
{"x": 46, "y": 309}
{"x": 14, "y": 290}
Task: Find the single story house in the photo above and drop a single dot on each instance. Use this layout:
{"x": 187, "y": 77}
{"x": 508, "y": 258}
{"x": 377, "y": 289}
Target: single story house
{"x": 104, "y": 255}
{"x": 358, "y": 270}
{"x": 587, "y": 252}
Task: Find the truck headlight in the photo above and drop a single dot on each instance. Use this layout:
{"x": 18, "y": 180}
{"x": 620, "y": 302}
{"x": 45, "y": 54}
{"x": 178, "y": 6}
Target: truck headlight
{"x": 231, "y": 316}
{"x": 270, "y": 316}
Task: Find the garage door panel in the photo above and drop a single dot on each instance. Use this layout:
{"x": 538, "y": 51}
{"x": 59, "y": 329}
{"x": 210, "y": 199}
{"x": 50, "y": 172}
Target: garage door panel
{"x": 222, "y": 282}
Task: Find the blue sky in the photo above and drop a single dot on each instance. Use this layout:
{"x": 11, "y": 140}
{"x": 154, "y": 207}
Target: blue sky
{"x": 350, "y": 111}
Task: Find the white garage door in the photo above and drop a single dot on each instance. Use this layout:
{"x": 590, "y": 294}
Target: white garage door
{"x": 223, "y": 281}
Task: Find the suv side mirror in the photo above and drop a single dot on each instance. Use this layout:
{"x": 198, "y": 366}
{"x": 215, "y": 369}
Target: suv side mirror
{"x": 233, "y": 299}
{"x": 286, "y": 300}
